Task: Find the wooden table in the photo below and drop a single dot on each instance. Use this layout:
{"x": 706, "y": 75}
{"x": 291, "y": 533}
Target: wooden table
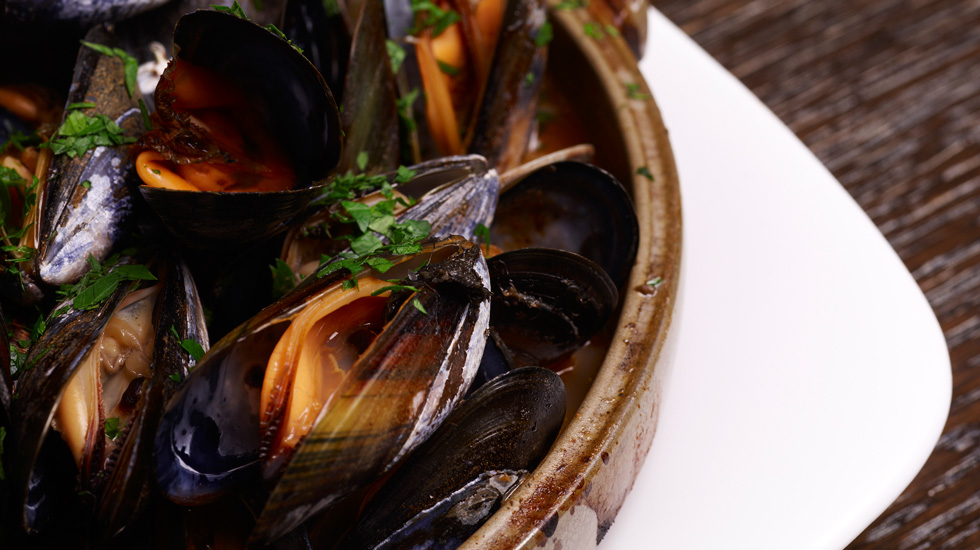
{"x": 887, "y": 94}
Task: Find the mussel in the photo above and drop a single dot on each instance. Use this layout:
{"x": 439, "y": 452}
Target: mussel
{"x": 243, "y": 126}
{"x": 460, "y": 475}
{"x": 256, "y": 413}
{"x": 98, "y": 378}
{"x": 84, "y": 201}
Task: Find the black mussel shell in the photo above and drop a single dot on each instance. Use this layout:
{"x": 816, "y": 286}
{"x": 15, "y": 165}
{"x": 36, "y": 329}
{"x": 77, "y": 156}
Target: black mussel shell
{"x": 87, "y": 200}
{"x": 547, "y": 303}
{"x": 571, "y": 206}
{"x": 297, "y": 107}
{"x": 508, "y": 424}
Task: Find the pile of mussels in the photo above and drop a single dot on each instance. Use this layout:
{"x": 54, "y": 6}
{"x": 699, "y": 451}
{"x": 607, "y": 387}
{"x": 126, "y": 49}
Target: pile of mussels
{"x": 390, "y": 393}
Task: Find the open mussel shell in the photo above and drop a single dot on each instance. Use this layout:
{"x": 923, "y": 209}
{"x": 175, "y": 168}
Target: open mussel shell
{"x": 395, "y": 394}
{"x": 571, "y": 206}
{"x": 119, "y": 480}
{"x": 455, "y": 195}
{"x": 294, "y": 103}
{"x": 85, "y": 202}
{"x": 483, "y": 448}
{"x": 547, "y": 303}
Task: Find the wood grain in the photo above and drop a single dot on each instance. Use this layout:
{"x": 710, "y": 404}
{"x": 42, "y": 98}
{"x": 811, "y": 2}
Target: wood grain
{"x": 887, "y": 94}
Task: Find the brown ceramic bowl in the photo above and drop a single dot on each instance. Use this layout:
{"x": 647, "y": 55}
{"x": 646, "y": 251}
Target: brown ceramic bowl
{"x": 573, "y": 497}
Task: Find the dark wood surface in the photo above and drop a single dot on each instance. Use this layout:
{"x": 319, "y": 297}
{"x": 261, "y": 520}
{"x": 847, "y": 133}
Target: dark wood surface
{"x": 887, "y": 94}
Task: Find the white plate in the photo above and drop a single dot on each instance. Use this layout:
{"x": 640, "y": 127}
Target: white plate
{"x": 811, "y": 380}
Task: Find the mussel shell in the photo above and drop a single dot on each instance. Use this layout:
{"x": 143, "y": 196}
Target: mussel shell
{"x": 508, "y": 424}
{"x": 78, "y": 220}
{"x": 370, "y": 113}
{"x": 82, "y": 14}
{"x": 207, "y": 220}
{"x": 503, "y": 126}
{"x": 547, "y": 303}
{"x": 571, "y": 206}
{"x": 299, "y": 111}
{"x": 325, "y": 39}
{"x": 455, "y": 195}
{"x": 209, "y": 442}
{"x": 54, "y": 359}
{"x": 291, "y": 95}
{"x": 399, "y": 391}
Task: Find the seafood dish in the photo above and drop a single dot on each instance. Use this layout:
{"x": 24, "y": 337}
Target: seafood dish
{"x": 327, "y": 274}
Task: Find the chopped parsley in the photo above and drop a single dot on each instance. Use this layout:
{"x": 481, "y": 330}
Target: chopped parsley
{"x": 100, "y": 282}
{"x": 448, "y": 69}
{"x": 147, "y": 125}
{"x": 594, "y": 30}
{"x": 483, "y": 232}
{"x": 418, "y": 306}
{"x": 81, "y": 105}
{"x": 235, "y": 9}
{"x": 362, "y": 160}
{"x": 19, "y": 347}
{"x": 112, "y": 428}
{"x": 404, "y": 175}
{"x": 428, "y": 15}
{"x": 397, "y": 55}
{"x": 645, "y": 172}
{"x": 404, "y": 105}
{"x": 283, "y": 278}
{"x": 633, "y": 91}
{"x": 572, "y": 4}
{"x": 545, "y": 34}
{"x": 190, "y": 345}
{"x": 529, "y": 79}
{"x": 130, "y": 65}
{"x": 87, "y": 184}
{"x": 20, "y": 140}
{"x": 655, "y": 282}
{"x": 394, "y": 288}
{"x": 612, "y": 31}
{"x": 80, "y": 132}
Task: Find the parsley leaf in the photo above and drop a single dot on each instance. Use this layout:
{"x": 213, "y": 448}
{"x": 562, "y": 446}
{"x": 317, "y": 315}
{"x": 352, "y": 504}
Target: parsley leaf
{"x": 147, "y": 125}
{"x": 572, "y": 4}
{"x": 483, "y": 232}
{"x": 283, "y": 278}
{"x": 633, "y": 91}
{"x": 130, "y": 65}
{"x": 545, "y": 34}
{"x": 362, "y": 160}
{"x": 79, "y": 133}
{"x": 429, "y": 15}
{"x": 447, "y": 68}
{"x": 112, "y": 428}
{"x": 191, "y": 346}
{"x": 100, "y": 282}
{"x": 234, "y": 9}
{"x": 645, "y": 172}
{"x": 397, "y": 55}
{"x": 418, "y": 306}
{"x": 593, "y": 30}
{"x": 404, "y": 105}
{"x": 655, "y": 282}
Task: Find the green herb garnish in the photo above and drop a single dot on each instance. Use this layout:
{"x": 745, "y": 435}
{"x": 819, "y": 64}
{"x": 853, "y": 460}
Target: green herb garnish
{"x": 528, "y": 79}
{"x": 404, "y": 105}
{"x": 397, "y": 55}
{"x": 428, "y": 15}
{"x": 147, "y": 125}
{"x": 645, "y": 172}
{"x": 448, "y": 69}
{"x": 418, "y": 306}
{"x": 593, "y": 30}
{"x": 81, "y": 105}
{"x": 191, "y": 346}
{"x": 572, "y": 4}
{"x": 545, "y": 34}
{"x": 655, "y": 282}
{"x": 483, "y": 232}
{"x": 236, "y": 10}
{"x": 361, "y": 160}
{"x": 633, "y": 91}
{"x": 283, "y": 278}
{"x": 175, "y": 377}
{"x": 100, "y": 282}
{"x": 80, "y": 132}
{"x": 112, "y": 428}
{"x": 130, "y": 65}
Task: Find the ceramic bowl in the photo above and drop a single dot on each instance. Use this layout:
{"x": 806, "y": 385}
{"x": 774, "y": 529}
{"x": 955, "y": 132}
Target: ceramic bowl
{"x": 572, "y": 498}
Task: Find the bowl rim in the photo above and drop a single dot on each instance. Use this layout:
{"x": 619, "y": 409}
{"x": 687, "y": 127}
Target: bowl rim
{"x": 598, "y": 455}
